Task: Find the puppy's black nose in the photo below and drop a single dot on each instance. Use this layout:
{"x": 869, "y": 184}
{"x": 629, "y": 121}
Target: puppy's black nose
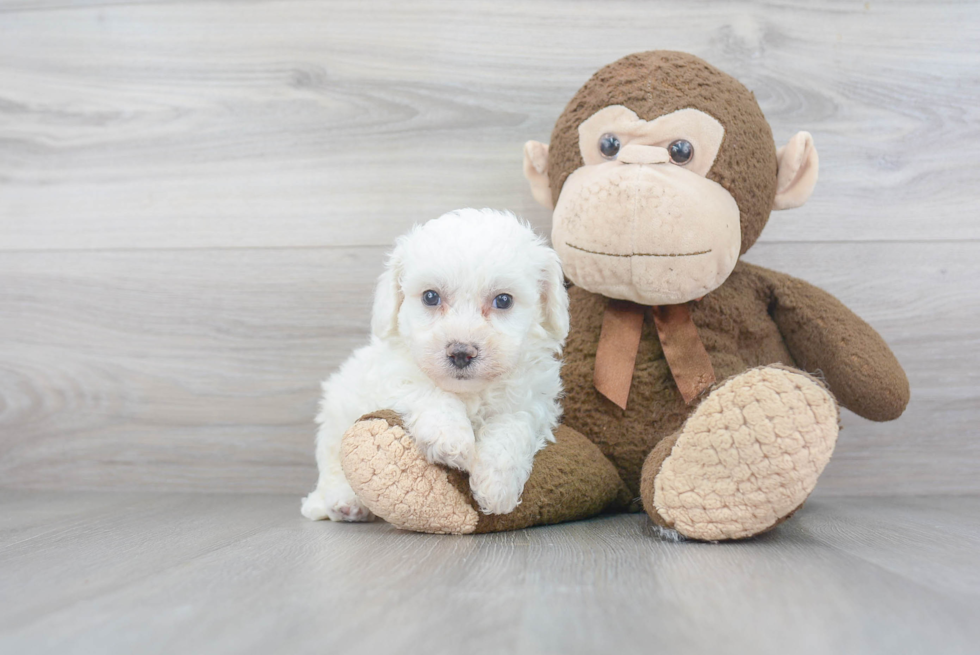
{"x": 461, "y": 354}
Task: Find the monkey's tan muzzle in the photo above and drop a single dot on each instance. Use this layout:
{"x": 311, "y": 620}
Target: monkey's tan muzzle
{"x": 654, "y": 235}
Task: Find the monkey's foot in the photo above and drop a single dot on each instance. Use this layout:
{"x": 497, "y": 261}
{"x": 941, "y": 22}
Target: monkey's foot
{"x": 746, "y": 459}
{"x": 570, "y": 480}
{"x": 394, "y": 480}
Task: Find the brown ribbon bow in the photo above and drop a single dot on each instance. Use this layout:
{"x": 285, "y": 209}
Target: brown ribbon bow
{"x": 619, "y": 341}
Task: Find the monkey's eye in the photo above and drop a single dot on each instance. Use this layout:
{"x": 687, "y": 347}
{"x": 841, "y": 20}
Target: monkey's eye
{"x": 609, "y": 146}
{"x": 430, "y": 298}
{"x": 503, "y": 301}
{"x": 680, "y": 151}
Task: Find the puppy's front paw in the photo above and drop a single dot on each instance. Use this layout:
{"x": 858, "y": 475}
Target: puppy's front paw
{"x": 445, "y": 439}
{"x": 497, "y": 489}
{"x": 338, "y": 503}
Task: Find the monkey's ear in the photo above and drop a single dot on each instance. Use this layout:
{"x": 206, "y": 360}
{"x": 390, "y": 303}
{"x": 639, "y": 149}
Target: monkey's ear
{"x": 798, "y": 164}
{"x": 388, "y": 298}
{"x": 536, "y": 171}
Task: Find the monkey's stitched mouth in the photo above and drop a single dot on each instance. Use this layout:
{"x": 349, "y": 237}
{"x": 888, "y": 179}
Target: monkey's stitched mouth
{"x": 639, "y": 254}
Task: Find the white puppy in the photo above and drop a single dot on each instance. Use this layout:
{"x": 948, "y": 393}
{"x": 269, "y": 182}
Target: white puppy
{"x": 469, "y": 319}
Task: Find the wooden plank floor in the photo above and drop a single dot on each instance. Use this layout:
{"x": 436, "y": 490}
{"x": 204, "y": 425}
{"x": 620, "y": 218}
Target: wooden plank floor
{"x": 181, "y": 573}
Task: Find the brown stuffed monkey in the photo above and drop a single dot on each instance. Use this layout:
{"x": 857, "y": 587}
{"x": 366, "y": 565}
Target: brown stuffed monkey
{"x": 705, "y": 386}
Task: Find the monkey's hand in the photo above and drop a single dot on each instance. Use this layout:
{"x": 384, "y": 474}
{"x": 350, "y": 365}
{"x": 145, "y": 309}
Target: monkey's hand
{"x": 825, "y": 336}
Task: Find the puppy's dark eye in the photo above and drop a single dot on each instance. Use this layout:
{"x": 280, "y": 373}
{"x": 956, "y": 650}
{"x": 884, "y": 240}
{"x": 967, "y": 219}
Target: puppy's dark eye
{"x": 430, "y": 298}
{"x": 609, "y": 146}
{"x": 680, "y": 151}
{"x": 503, "y": 301}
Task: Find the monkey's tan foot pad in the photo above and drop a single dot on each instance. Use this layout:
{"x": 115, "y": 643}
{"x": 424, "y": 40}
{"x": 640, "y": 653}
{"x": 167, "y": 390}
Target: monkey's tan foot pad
{"x": 748, "y": 456}
{"x": 394, "y": 480}
{"x": 570, "y": 480}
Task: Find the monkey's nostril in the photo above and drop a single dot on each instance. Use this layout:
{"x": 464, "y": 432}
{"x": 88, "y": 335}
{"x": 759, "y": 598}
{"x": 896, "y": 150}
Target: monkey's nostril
{"x": 461, "y": 355}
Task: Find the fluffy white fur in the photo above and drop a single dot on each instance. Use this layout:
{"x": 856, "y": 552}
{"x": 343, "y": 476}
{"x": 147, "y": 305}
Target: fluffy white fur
{"x": 488, "y": 418}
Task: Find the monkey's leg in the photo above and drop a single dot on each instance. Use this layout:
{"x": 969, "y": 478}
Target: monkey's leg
{"x": 746, "y": 459}
{"x": 570, "y": 480}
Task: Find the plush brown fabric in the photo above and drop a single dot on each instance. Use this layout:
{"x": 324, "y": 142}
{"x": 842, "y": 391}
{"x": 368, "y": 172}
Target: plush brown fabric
{"x": 825, "y": 336}
{"x": 659, "y": 82}
{"x": 391, "y": 416}
{"x": 651, "y": 467}
{"x": 571, "y": 480}
{"x": 738, "y": 326}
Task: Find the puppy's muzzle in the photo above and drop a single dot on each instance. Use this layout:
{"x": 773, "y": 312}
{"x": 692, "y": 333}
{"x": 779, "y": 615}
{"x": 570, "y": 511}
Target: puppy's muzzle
{"x": 461, "y": 355}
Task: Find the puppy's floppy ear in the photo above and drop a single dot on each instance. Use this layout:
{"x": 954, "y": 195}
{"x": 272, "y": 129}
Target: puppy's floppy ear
{"x": 388, "y": 298}
{"x": 554, "y": 298}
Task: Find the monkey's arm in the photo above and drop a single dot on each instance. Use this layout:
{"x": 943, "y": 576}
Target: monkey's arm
{"x": 824, "y": 335}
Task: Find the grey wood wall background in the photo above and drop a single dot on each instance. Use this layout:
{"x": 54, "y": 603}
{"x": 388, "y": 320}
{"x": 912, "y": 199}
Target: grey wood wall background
{"x": 195, "y": 199}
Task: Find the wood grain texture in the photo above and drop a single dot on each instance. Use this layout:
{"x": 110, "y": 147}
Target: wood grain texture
{"x": 299, "y": 123}
{"x": 195, "y": 199}
{"x": 168, "y": 573}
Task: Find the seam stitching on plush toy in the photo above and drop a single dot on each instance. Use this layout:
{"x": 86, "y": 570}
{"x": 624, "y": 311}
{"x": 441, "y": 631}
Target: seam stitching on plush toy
{"x": 638, "y": 254}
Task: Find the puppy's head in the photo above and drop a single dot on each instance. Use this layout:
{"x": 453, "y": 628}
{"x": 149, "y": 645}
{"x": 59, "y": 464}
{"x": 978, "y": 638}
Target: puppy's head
{"x": 471, "y": 293}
